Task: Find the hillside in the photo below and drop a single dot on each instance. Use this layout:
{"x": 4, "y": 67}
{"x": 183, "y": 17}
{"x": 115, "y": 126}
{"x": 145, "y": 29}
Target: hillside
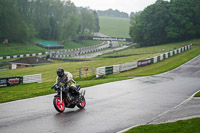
{"x": 115, "y": 27}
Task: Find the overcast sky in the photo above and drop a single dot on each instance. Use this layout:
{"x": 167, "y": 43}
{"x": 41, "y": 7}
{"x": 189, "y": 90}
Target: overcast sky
{"x": 122, "y": 5}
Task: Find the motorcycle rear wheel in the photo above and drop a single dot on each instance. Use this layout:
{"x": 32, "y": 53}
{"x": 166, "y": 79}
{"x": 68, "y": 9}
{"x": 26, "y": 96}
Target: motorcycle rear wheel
{"x": 59, "y": 107}
{"x": 82, "y": 104}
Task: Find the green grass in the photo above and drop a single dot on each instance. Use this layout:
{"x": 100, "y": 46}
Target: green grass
{"x": 114, "y": 27}
{"x": 29, "y": 48}
{"x": 17, "y": 49}
{"x": 186, "y": 126}
{"x": 198, "y": 94}
{"x": 49, "y": 71}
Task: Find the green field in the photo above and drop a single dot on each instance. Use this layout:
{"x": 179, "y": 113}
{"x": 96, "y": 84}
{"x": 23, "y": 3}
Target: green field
{"x": 49, "y": 71}
{"x": 114, "y": 27}
{"x": 186, "y": 126}
{"x": 198, "y": 94}
{"x": 16, "y": 49}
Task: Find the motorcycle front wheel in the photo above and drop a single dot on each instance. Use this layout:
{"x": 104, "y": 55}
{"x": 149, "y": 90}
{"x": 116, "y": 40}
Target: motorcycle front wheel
{"x": 82, "y": 103}
{"x": 59, "y": 107}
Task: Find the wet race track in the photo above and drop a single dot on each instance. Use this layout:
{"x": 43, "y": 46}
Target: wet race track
{"x": 110, "y": 107}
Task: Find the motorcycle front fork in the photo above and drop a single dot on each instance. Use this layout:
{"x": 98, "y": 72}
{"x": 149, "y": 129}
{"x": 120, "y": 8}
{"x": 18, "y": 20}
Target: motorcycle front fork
{"x": 61, "y": 97}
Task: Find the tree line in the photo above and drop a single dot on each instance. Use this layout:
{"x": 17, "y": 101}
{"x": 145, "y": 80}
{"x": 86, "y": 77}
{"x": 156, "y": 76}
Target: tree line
{"x": 165, "y": 22}
{"x": 113, "y": 13}
{"x": 23, "y": 20}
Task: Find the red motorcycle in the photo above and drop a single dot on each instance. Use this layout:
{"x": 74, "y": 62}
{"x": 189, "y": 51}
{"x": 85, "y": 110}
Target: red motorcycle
{"x": 68, "y": 98}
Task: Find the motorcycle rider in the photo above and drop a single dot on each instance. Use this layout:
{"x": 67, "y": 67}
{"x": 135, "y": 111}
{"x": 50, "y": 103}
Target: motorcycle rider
{"x": 66, "y": 78}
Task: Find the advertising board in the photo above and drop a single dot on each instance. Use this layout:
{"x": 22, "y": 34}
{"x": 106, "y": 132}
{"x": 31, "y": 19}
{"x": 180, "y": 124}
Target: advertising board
{"x": 109, "y": 70}
{"x": 144, "y": 62}
{"x": 10, "y": 81}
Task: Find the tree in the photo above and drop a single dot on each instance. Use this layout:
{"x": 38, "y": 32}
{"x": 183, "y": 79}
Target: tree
{"x": 148, "y": 28}
{"x": 87, "y": 22}
{"x": 70, "y": 28}
{"x": 96, "y": 19}
{"x": 165, "y": 22}
{"x": 22, "y": 20}
{"x": 181, "y": 23}
{"x": 12, "y": 25}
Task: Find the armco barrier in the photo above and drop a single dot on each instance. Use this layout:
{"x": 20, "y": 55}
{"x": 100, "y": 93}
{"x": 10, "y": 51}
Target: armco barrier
{"x": 100, "y": 71}
{"x": 76, "y": 51}
{"x": 22, "y": 55}
{"x": 44, "y": 53}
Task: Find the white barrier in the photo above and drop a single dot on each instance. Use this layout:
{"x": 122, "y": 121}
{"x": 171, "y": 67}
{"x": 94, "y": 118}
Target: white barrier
{"x": 183, "y": 49}
{"x": 32, "y": 78}
{"x": 15, "y": 56}
{"x": 186, "y": 48}
{"x": 171, "y": 53}
{"x": 100, "y": 71}
{"x": 116, "y": 69}
{"x": 7, "y": 57}
{"x": 128, "y": 66}
{"x": 179, "y": 50}
{"x": 162, "y": 57}
{"x": 175, "y": 52}
{"x": 166, "y": 55}
{"x": 155, "y": 59}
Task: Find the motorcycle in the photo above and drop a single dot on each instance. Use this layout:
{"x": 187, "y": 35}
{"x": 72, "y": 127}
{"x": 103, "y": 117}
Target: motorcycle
{"x": 68, "y": 98}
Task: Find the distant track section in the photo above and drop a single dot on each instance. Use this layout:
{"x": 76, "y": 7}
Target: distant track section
{"x": 105, "y": 38}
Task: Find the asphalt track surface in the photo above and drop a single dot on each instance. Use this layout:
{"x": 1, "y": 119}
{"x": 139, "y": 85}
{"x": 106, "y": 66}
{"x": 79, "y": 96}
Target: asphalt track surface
{"x": 111, "y": 107}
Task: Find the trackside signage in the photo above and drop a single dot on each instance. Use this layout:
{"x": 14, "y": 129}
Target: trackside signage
{"x": 10, "y": 81}
{"x": 109, "y": 70}
{"x": 144, "y": 62}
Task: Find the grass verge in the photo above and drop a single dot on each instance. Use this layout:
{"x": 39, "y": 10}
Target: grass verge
{"x": 198, "y": 94}
{"x": 185, "y": 126}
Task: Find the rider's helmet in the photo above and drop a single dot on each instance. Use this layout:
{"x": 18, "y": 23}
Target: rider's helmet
{"x": 60, "y": 72}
